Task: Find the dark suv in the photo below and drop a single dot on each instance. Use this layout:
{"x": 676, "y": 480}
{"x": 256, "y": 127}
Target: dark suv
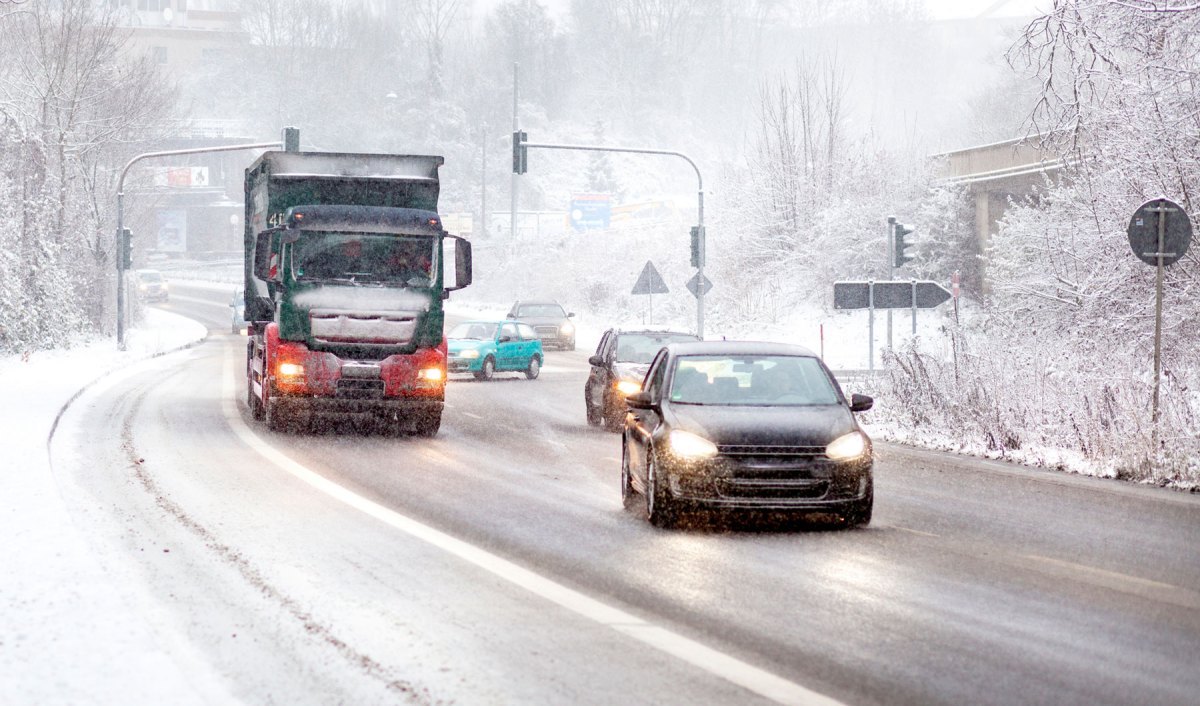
{"x": 549, "y": 319}
{"x": 618, "y": 367}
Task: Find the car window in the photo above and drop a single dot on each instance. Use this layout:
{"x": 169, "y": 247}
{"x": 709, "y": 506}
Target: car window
{"x": 751, "y": 380}
{"x": 540, "y": 310}
{"x": 508, "y": 330}
{"x": 654, "y": 376}
{"x": 527, "y": 332}
{"x": 477, "y": 330}
{"x": 641, "y": 347}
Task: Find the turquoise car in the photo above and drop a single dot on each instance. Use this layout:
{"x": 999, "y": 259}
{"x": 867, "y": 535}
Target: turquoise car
{"x": 486, "y": 347}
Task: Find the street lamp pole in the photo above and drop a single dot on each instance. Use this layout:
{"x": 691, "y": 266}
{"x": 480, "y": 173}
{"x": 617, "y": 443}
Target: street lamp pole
{"x": 121, "y": 211}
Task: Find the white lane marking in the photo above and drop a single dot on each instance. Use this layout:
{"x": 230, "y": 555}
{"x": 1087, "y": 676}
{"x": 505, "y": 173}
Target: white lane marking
{"x": 472, "y": 416}
{"x": 1124, "y": 583}
{"x": 919, "y": 532}
{"x": 728, "y": 667}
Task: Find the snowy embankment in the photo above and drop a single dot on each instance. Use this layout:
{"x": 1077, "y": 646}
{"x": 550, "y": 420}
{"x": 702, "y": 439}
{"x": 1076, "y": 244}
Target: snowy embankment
{"x": 63, "y": 615}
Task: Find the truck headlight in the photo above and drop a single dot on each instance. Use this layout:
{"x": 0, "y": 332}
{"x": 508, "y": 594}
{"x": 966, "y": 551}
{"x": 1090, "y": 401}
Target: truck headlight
{"x": 847, "y": 447}
{"x": 291, "y": 370}
{"x": 688, "y": 445}
{"x": 567, "y": 329}
{"x": 628, "y": 387}
{"x": 432, "y": 374}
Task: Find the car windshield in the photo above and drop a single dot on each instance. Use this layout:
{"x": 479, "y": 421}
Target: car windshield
{"x": 473, "y": 330}
{"x": 542, "y": 310}
{"x": 751, "y": 380}
{"x": 642, "y": 347}
{"x": 364, "y": 257}
{"x": 150, "y": 276}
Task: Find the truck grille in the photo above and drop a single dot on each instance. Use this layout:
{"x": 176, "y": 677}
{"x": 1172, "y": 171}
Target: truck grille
{"x": 357, "y": 327}
{"x": 359, "y": 389}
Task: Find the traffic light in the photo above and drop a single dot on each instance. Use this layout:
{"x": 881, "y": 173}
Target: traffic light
{"x": 124, "y": 250}
{"x": 697, "y": 246}
{"x": 899, "y": 246}
{"x": 520, "y": 152}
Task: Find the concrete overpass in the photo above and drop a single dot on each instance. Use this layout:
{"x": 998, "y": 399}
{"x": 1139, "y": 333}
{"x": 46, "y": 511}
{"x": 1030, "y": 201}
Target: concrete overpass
{"x": 994, "y": 174}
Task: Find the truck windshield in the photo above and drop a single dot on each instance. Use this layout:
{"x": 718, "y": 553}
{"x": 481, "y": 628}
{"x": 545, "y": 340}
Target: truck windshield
{"x": 320, "y": 255}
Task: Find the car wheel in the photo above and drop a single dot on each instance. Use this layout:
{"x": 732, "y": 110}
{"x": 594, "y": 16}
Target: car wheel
{"x": 860, "y": 514}
{"x": 593, "y": 415}
{"x": 658, "y": 500}
{"x": 535, "y": 367}
{"x": 487, "y": 370}
{"x": 628, "y": 494}
{"x": 614, "y": 418}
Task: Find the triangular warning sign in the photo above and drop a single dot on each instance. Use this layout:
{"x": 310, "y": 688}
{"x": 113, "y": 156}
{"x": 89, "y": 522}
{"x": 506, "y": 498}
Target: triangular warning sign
{"x": 650, "y": 282}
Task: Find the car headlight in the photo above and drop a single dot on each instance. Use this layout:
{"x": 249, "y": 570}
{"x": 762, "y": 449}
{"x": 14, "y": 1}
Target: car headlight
{"x": 628, "y": 387}
{"x": 688, "y": 445}
{"x": 567, "y": 329}
{"x": 846, "y": 447}
{"x": 468, "y": 353}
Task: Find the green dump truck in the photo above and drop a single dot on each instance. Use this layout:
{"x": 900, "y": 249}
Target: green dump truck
{"x": 347, "y": 266}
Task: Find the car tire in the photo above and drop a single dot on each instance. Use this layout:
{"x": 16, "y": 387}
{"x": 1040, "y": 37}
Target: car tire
{"x": 535, "y": 367}
{"x": 487, "y": 369}
{"x": 659, "y": 510}
{"x": 614, "y": 419}
{"x": 860, "y": 514}
{"x": 628, "y": 494}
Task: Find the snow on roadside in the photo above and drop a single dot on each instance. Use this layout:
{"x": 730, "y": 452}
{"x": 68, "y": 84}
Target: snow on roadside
{"x": 63, "y": 615}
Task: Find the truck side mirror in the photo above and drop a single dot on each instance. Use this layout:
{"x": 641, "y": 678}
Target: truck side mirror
{"x": 262, "y": 256}
{"x": 462, "y": 262}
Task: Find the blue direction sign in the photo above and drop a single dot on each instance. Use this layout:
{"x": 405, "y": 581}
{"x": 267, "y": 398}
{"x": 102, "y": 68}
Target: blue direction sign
{"x": 649, "y": 282}
{"x": 590, "y": 211}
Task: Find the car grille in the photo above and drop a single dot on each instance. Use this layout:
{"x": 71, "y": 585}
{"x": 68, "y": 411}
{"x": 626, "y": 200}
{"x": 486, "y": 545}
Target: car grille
{"x": 773, "y": 472}
{"x": 546, "y": 331}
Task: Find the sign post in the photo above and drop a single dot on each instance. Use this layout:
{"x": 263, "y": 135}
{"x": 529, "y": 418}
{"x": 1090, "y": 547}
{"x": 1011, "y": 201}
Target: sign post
{"x": 1159, "y": 234}
{"x": 872, "y": 295}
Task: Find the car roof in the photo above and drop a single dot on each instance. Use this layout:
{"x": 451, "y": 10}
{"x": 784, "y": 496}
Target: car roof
{"x": 737, "y": 348}
{"x": 497, "y": 322}
{"x": 653, "y": 332}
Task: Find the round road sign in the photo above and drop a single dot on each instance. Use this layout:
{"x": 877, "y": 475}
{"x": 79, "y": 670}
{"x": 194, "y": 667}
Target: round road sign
{"x": 1144, "y": 230}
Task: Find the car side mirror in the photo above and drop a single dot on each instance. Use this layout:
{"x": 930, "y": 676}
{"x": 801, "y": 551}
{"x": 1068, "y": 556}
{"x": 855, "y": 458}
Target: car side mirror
{"x": 570, "y": 314}
{"x": 597, "y": 361}
{"x": 640, "y": 400}
{"x": 861, "y": 403}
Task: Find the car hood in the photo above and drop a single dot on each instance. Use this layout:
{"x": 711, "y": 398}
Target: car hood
{"x": 454, "y": 345}
{"x": 815, "y": 425}
{"x": 631, "y": 371}
{"x": 542, "y": 320}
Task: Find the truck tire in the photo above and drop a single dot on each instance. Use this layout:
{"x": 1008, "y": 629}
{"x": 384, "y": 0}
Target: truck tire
{"x": 256, "y": 406}
{"x": 428, "y": 425}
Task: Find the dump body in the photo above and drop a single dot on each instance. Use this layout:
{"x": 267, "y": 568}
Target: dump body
{"x": 345, "y": 279}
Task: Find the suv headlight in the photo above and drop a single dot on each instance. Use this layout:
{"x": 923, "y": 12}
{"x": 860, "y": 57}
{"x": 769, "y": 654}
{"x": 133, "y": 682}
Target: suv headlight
{"x": 688, "y": 445}
{"x": 567, "y": 329}
{"x": 846, "y": 447}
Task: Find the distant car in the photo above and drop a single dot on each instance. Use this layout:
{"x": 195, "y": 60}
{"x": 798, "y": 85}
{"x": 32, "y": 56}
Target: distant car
{"x": 151, "y": 286}
{"x": 729, "y": 425}
{"x": 237, "y": 307}
{"x": 549, "y": 319}
{"x": 618, "y": 366}
{"x": 487, "y": 347}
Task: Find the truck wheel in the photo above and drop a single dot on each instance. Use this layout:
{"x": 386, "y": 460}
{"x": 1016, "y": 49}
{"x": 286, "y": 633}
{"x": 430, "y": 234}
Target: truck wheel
{"x": 488, "y": 369}
{"x": 535, "y": 367}
{"x": 428, "y": 425}
{"x": 255, "y": 404}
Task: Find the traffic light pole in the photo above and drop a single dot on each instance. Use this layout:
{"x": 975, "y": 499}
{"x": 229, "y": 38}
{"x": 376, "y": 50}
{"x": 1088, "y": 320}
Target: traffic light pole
{"x": 290, "y": 140}
{"x": 699, "y": 205}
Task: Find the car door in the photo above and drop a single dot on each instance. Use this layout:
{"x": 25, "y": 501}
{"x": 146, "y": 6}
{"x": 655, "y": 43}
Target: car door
{"x": 597, "y": 376}
{"x": 529, "y": 344}
{"x": 645, "y": 421}
{"x": 508, "y": 347}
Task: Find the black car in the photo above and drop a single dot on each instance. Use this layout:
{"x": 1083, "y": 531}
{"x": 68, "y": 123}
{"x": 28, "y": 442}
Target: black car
{"x": 549, "y": 319}
{"x": 728, "y": 425}
{"x": 618, "y": 368}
